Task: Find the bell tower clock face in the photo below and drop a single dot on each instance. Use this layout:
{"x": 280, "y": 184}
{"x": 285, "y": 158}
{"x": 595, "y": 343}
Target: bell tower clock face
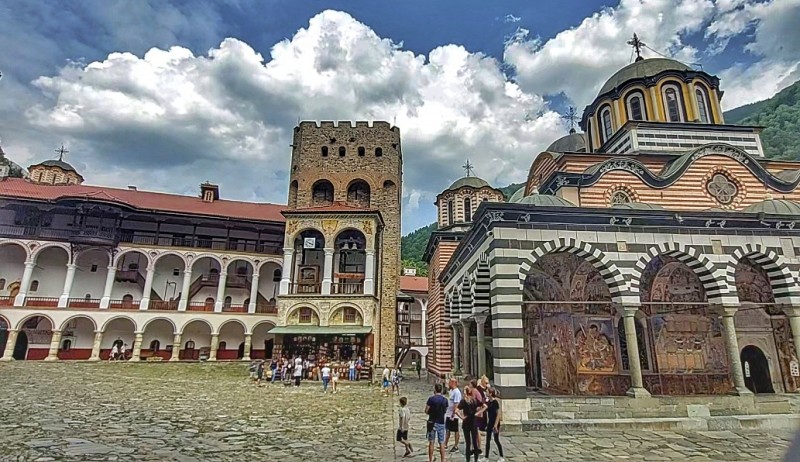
{"x": 309, "y": 243}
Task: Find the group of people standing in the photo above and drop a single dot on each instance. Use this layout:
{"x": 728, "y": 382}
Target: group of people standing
{"x": 477, "y": 410}
{"x": 119, "y": 351}
{"x": 296, "y": 369}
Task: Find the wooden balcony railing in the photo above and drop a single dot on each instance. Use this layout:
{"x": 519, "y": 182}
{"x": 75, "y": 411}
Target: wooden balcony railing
{"x": 416, "y": 341}
{"x": 347, "y": 288}
{"x": 416, "y": 317}
{"x": 44, "y": 302}
{"x": 234, "y": 308}
{"x": 123, "y": 305}
{"x": 163, "y": 305}
{"x": 83, "y": 303}
{"x": 6, "y": 300}
{"x": 303, "y": 288}
{"x": 266, "y": 308}
{"x": 200, "y": 306}
{"x": 403, "y": 317}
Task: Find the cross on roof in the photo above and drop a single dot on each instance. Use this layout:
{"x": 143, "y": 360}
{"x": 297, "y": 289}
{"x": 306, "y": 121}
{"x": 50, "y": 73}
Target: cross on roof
{"x": 468, "y": 167}
{"x": 61, "y": 151}
{"x": 571, "y": 117}
{"x": 637, "y": 45}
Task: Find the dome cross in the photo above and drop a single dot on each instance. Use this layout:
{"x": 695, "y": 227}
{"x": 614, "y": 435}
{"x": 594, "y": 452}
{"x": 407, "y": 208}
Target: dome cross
{"x": 468, "y": 168}
{"x": 637, "y": 46}
{"x": 571, "y": 117}
{"x": 61, "y": 151}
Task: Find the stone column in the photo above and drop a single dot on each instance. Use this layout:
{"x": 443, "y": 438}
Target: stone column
{"x": 248, "y": 344}
{"x": 110, "y": 275}
{"x": 25, "y": 284}
{"x": 251, "y": 308}
{"x": 423, "y": 325}
{"x": 369, "y": 272}
{"x": 137, "y": 346}
{"x": 176, "y": 347}
{"x": 11, "y": 341}
{"x": 223, "y": 278}
{"x": 64, "y": 299}
{"x": 466, "y": 367}
{"x": 286, "y": 271}
{"x": 456, "y": 354}
{"x": 327, "y": 272}
{"x": 637, "y": 389}
{"x": 55, "y": 341}
{"x": 98, "y": 340}
{"x": 480, "y": 320}
{"x": 732, "y": 345}
{"x": 187, "y": 284}
{"x": 212, "y": 355}
{"x": 148, "y": 287}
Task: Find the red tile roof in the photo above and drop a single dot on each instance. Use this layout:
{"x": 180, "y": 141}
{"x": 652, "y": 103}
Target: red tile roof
{"x": 143, "y": 200}
{"x": 413, "y": 284}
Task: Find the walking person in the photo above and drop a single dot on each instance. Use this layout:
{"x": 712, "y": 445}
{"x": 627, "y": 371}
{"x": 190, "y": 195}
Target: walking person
{"x": 478, "y": 394}
{"x": 298, "y": 371}
{"x": 352, "y": 370}
{"x": 404, "y": 417}
{"x": 285, "y": 370}
{"x": 259, "y": 372}
{"x": 123, "y": 352}
{"x": 469, "y": 409}
{"x": 385, "y": 380}
{"x": 396, "y": 382}
{"x": 273, "y": 367}
{"x": 436, "y": 407}
{"x": 419, "y": 369}
{"x": 493, "y": 418}
{"x": 326, "y": 378}
{"x": 335, "y": 380}
{"x": 451, "y": 419}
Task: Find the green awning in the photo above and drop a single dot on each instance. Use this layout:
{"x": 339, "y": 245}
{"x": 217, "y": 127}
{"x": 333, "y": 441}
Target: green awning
{"x": 321, "y": 330}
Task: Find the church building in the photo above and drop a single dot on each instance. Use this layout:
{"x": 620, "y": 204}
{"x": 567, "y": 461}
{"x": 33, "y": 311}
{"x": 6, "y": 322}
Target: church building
{"x": 652, "y": 253}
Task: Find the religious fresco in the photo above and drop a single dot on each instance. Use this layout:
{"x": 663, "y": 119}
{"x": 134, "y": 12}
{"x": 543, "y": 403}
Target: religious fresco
{"x": 594, "y": 340}
{"x": 667, "y": 280}
{"x": 603, "y": 385}
{"x": 556, "y": 344}
{"x": 752, "y": 282}
{"x": 784, "y": 344}
{"x": 564, "y": 276}
{"x": 687, "y": 343}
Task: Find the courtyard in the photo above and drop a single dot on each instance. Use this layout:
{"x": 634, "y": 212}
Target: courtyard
{"x": 188, "y": 412}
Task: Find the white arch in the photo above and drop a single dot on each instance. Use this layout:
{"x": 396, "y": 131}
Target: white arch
{"x": 19, "y": 243}
{"x": 127, "y": 318}
{"x": 78, "y": 316}
{"x": 204, "y": 321}
{"x": 235, "y": 321}
{"x": 263, "y": 321}
{"x": 181, "y": 256}
{"x": 262, "y": 263}
{"x": 239, "y": 258}
{"x": 119, "y": 256}
{"x": 160, "y": 318}
{"x": 207, "y": 255}
{"x": 34, "y": 315}
{"x": 37, "y": 251}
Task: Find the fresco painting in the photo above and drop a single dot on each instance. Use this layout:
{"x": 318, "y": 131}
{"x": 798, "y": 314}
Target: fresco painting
{"x": 557, "y": 347}
{"x": 784, "y": 344}
{"x": 594, "y": 340}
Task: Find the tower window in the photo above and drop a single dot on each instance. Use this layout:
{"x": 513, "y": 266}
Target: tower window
{"x": 467, "y": 210}
{"x": 361, "y": 151}
{"x": 324, "y": 151}
{"x": 605, "y": 120}
{"x": 322, "y": 193}
{"x": 673, "y": 104}
{"x": 34, "y": 286}
{"x": 378, "y": 152}
{"x": 702, "y": 107}
{"x": 342, "y": 151}
{"x": 450, "y": 217}
{"x": 635, "y": 107}
{"x": 93, "y": 268}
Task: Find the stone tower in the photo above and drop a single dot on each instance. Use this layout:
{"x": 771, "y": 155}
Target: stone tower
{"x": 342, "y": 176}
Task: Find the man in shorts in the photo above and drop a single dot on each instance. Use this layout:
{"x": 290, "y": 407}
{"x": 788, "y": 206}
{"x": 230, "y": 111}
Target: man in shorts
{"x": 436, "y": 408}
{"x": 451, "y": 420}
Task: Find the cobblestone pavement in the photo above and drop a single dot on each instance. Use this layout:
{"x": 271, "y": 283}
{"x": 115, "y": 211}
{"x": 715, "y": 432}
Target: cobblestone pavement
{"x": 186, "y": 412}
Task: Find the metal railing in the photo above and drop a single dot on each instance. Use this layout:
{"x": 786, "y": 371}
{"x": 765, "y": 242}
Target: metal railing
{"x": 83, "y": 303}
{"x": 403, "y": 317}
{"x": 416, "y": 341}
{"x": 416, "y": 316}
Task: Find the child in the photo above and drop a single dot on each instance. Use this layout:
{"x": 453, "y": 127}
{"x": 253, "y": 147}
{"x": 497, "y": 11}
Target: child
{"x": 385, "y": 381}
{"x": 335, "y": 380}
{"x": 404, "y": 417}
{"x": 396, "y": 382}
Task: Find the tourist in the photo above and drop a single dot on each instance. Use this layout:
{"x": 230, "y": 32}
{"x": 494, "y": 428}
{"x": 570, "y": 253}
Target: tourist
{"x": 451, "y": 419}
{"x": 114, "y": 352}
{"x": 436, "y": 407}
{"x": 404, "y": 417}
{"x": 418, "y": 365}
{"x": 494, "y": 417}
{"x": 386, "y": 380}
{"x": 326, "y": 377}
{"x": 259, "y": 372}
{"x": 123, "y": 352}
{"x": 396, "y": 382}
{"x": 298, "y": 371}
{"x": 479, "y": 396}
{"x": 273, "y": 367}
{"x": 335, "y": 380}
{"x": 469, "y": 409}
{"x": 284, "y": 369}
{"x": 253, "y": 367}
{"x": 359, "y": 366}
{"x": 352, "y": 369}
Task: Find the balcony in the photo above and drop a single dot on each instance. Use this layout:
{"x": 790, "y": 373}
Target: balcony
{"x": 403, "y": 317}
{"x": 416, "y": 317}
{"x": 200, "y": 306}
{"x": 304, "y": 288}
{"x": 416, "y": 341}
{"x": 7, "y": 300}
{"x": 221, "y": 243}
{"x": 234, "y": 309}
{"x": 123, "y": 305}
{"x": 83, "y": 303}
{"x": 266, "y": 308}
{"x": 347, "y": 288}
{"x": 163, "y": 305}
{"x": 42, "y": 302}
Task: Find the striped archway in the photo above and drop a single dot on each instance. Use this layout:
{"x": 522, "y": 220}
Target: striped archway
{"x": 607, "y": 269}
{"x": 780, "y": 277}
{"x": 714, "y": 283}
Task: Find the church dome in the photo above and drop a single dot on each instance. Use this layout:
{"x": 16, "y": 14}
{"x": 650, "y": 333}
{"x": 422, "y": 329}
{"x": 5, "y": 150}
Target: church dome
{"x": 574, "y": 142}
{"x": 637, "y": 206}
{"x": 57, "y": 163}
{"x": 641, "y": 69}
{"x": 468, "y": 181}
{"x": 774, "y": 207}
{"x": 518, "y": 194}
{"x": 545, "y": 200}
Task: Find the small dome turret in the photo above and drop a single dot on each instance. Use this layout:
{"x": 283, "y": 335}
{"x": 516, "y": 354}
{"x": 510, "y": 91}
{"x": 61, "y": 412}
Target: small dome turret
{"x": 574, "y": 142}
{"x": 545, "y": 200}
{"x": 774, "y": 207}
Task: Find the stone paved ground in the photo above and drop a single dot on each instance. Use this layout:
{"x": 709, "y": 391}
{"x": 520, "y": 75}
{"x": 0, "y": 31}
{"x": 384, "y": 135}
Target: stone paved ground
{"x": 185, "y": 412}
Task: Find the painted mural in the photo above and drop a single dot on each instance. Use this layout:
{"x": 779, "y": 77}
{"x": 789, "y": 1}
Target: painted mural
{"x": 557, "y": 353}
{"x": 564, "y": 276}
{"x": 752, "y": 282}
{"x": 789, "y": 364}
{"x": 594, "y": 344}
{"x": 666, "y": 280}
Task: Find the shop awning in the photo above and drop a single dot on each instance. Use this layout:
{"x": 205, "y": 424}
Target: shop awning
{"x": 321, "y": 330}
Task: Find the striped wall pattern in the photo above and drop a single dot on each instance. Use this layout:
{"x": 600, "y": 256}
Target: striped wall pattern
{"x": 608, "y": 270}
{"x": 440, "y": 339}
{"x": 465, "y": 299}
{"x": 711, "y": 277}
{"x": 780, "y": 277}
{"x": 482, "y": 288}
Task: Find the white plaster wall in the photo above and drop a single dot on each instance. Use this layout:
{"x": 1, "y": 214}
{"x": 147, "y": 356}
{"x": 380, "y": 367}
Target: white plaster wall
{"x": 80, "y": 331}
{"x": 12, "y": 265}
{"x": 160, "y": 330}
{"x": 204, "y": 293}
{"x": 232, "y": 333}
{"x": 120, "y": 289}
{"x": 164, "y": 274}
{"x": 50, "y": 271}
{"x": 261, "y": 334}
{"x": 203, "y": 266}
{"x": 43, "y": 324}
{"x": 199, "y": 332}
{"x": 118, "y": 328}
{"x": 266, "y": 287}
{"x": 87, "y": 282}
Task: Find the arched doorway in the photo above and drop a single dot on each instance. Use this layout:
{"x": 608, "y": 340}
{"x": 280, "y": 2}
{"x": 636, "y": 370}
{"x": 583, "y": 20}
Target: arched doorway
{"x": 756, "y": 370}
{"x": 21, "y": 347}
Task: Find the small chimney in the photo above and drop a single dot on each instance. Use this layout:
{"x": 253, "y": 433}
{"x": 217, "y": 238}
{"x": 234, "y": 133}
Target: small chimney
{"x": 209, "y": 192}
{"x": 132, "y": 187}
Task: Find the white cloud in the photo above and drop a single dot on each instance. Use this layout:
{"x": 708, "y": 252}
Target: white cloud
{"x": 510, "y": 18}
{"x": 171, "y": 119}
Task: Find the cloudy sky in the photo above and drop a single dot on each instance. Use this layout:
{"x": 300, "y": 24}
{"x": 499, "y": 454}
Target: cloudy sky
{"x": 165, "y": 95}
